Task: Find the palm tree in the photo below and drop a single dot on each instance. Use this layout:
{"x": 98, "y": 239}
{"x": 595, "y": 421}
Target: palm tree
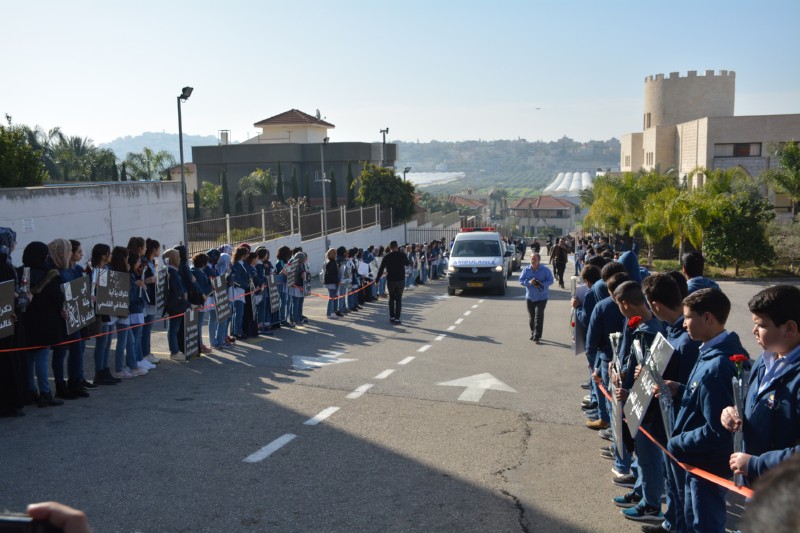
{"x": 258, "y": 183}
{"x": 786, "y": 177}
{"x": 149, "y": 165}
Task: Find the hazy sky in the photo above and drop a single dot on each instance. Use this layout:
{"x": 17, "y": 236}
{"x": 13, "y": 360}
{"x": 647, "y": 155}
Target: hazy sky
{"x": 429, "y": 69}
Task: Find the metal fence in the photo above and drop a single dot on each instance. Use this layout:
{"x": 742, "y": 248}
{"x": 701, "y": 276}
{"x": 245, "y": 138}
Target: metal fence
{"x": 268, "y": 224}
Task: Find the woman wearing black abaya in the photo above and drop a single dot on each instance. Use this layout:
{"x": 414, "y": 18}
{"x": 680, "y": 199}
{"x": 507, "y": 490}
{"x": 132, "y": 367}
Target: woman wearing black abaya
{"x": 13, "y": 365}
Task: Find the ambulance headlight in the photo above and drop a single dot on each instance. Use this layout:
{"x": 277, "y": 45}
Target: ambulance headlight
{"x": 498, "y": 268}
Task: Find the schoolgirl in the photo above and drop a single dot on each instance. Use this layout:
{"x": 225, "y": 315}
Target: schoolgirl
{"x": 151, "y": 252}
{"x": 101, "y": 254}
{"x": 297, "y": 290}
{"x": 240, "y": 284}
{"x": 199, "y": 265}
{"x": 283, "y": 257}
{"x": 176, "y": 303}
{"x": 119, "y": 263}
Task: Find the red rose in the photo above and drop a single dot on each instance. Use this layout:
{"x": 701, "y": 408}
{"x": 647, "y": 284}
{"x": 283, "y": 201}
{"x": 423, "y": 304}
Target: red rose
{"x": 634, "y": 322}
{"x": 572, "y": 324}
{"x": 739, "y": 358}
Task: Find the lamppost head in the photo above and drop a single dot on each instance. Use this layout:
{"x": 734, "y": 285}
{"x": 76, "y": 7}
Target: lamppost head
{"x": 186, "y": 92}
{"x": 407, "y": 169}
{"x": 326, "y": 139}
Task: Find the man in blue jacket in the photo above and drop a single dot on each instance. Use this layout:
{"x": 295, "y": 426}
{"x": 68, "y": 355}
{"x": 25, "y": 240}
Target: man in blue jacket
{"x": 692, "y": 266}
{"x": 536, "y": 278}
{"x": 698, "y": 437}
{"x": 771, "y": 421}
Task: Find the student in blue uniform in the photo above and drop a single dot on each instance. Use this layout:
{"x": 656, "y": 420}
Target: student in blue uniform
{"x": 771, "y": 421}
{"x": 699, "y": 438}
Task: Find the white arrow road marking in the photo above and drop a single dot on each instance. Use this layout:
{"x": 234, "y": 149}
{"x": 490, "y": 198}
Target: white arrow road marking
{"x": 359, "y": 391}
{"x": 476, "y": 385}
{"x": 300, "y": 362}
{"x": 322, "y": 415}
{"x": 270, "y": 448}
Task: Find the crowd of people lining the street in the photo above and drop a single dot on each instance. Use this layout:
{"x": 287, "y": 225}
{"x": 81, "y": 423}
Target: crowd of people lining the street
{"x": 248, "y": 276}
{"x": 626, "y": 303}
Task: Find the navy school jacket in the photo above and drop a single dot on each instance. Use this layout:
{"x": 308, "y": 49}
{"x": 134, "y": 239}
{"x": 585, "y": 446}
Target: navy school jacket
{"x": 771, "y": 423}
{"x": 606, "y": 318}
{"x": 698, "y": 437}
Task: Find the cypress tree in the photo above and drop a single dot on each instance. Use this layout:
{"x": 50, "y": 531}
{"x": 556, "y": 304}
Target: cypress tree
{"x": 334, "y": 202}
{"x": 295, "y": 192}
{"x": 351, "y": 192}
{"x": 238, "y": 203}
{"x": 124, "y": 175}
{"x": 226, "y": 197}
{"x": 279, "y": 186}
{"x": 114, "y": 172}
{"x": 250, "y": 207}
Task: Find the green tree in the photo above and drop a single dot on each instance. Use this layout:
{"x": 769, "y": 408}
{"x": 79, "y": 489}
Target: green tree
{"x": 73, "y": 156}
{"x": 739, "y": 232}
{"x": 21, "y": 163}
{"x": 279, "y": 185}
{"x": 351, "y": 187}
{"x": 150, "y": 165}
{"x": 115, "y": 172}
{"x": 380, "y": 185}
{"x": 45, "y": 142}
{"x": 258, "y": 183}
{"x": 210, "y": 195}
{"x": 786, "y": 177}
{"x": 334, "y": 202}
{"x": 124, "y": 174}
{"x": 294, "y": 188}
{"x": 653, "y": 227}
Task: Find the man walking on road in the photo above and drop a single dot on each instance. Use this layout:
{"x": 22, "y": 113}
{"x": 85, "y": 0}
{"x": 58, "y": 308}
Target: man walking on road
{"x": 395, "y": 263}
{"x": 558, "y": 257}
{"x": 536, "y": 278}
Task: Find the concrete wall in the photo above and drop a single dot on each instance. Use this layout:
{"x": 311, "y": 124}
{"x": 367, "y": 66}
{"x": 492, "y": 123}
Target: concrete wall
{"x": 108, "y": 213}
{"x": 675, "y": 99}
{"x": 631, "y": 145}
{"x": 659, "y": 141}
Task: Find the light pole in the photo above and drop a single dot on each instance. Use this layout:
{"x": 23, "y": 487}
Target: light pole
{"x": 324, "y": 196}
{"x": 405, "y": 224}
{"x": 383, "y": 151}
{"x": 186, "y": 92}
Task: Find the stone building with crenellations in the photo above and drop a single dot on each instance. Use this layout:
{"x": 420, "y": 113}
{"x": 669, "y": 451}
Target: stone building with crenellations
{"x": 689, "y": 122}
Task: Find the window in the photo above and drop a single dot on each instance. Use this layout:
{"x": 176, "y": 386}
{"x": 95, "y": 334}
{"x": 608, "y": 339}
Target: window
{"x": 737, "y": 150}
{"x": 627, "y": 161}
{"x": 649, "y": 159}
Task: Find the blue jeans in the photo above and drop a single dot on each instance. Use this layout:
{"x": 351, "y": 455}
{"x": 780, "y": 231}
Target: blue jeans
{"x": 352, "y": 299}
{"x": 201, "y": 320}
{"x": 341, "y": 292}
{"x": 332, "y": 302}
{"x": 37, "y": 365}
{"x": 603, "y": 405}
{"x": 147, "y": 330}
{"x": 424, "y": 273}
{"x": 704, "y": 505}
{"x": 283, "y": 316}
{"x": 622, "y": 457}
{"x": 297, "y": 309}
{"x": 650, "y": 459}
{"x": 238, "y": 316}
{"x": 102, "y": 347}
{"x": 676, "y": 485}
{"x": 74, "y": 361}
{"x": 123, "y": 334}
{"x": 442, "y": 264}
{"x": 172, "y": 334}
{"x": 382, "y": 286}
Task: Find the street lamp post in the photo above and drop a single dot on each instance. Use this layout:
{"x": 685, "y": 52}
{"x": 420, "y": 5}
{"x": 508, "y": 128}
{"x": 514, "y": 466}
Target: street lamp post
{"x": 324, "y": 196}
{"x": 405, "y": 224}
{"x": 383, "y": 151}
{"x": 186, "y": 92}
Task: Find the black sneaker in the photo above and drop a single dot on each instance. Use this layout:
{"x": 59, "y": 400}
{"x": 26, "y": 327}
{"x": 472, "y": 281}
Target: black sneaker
{"x": 627, "y": 481}
{"x": 398, "y": 321}
{"x": 657, "y": 528}
{"x": 86, "y": 385}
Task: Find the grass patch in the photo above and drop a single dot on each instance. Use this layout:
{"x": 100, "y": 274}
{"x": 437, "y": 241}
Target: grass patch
{"x": 711, "y": 271}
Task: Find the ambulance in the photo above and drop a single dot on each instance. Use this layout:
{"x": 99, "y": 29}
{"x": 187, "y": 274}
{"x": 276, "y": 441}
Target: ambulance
{"x": 478, "y": 260}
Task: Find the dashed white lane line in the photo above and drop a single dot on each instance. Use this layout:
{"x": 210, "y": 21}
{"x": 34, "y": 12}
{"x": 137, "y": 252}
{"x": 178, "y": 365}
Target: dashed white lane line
{"x": 270, "y": 448}
{"x": 467, "y": 313}
{"x": 385, "y": 374}
{"x": 480, "y": 301}
{"x": 451, "y": 328}
{"x": 322, "y": 415}
{"x": 475, "y": 306}
{"x": 406, "y": 360}
{"x": 459, "y": 321}
{"x": 440, "y": 337}
{"x": 423, "y": 349}
{"x": 359, "y": 391}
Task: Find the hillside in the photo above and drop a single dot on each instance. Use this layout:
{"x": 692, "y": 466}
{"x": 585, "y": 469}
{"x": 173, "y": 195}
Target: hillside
{"x": 520, "y": 166}
{"x": 158, "y": 141}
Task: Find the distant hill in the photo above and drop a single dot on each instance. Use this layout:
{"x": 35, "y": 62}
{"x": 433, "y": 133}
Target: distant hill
{"x": 159, "y": 141}
{"x": 521, "y": 167}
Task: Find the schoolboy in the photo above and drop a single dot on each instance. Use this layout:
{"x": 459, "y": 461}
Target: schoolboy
{"x": 650, "y": 461}
{"x": 698, "y": 437}
{"x": 664, "y": 295}
{"x": 771, "y": 421}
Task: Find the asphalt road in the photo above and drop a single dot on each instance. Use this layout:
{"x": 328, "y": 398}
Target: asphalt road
{"x": 342, "y": 425}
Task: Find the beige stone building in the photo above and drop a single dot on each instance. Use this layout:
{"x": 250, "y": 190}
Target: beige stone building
{"x": 689, "y": 122}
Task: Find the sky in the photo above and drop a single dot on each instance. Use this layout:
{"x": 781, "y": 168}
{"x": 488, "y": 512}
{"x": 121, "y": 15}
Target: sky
{"x": 441, "y": 70}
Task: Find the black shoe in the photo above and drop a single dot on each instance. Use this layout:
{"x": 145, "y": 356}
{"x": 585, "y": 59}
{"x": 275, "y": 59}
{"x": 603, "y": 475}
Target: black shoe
{"x": 587, "y": 385}
{"x": 32, "y": 398}
{"x": 64, "y": 392}
{"x": 398, "y": 321}
{"x": 656, "y": 528}
{"x": 589, "y": 406}
{"x": 77, "y": 389}
{"x": 47, "y": 400}
{"x": 536, "y": 340}
{"x": 86, "y": 385}
{"x": 104, "y": 377}
{"x": 338, "y": 313}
